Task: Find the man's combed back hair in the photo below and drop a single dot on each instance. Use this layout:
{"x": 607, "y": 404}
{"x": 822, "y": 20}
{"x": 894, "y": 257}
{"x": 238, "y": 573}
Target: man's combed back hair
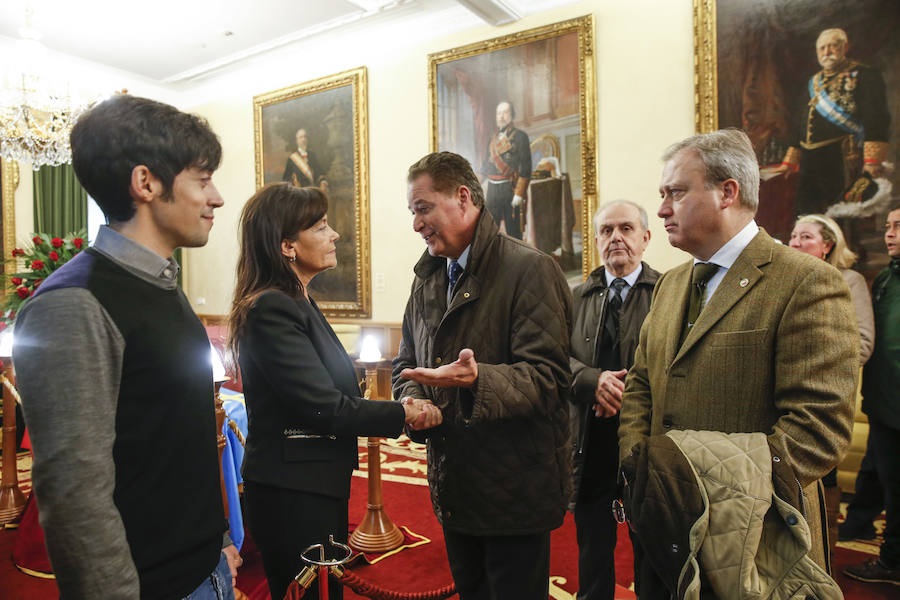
{"x": 642, "y": 213}
{"x": 448, "y": 171}
{"x": 726, "y": 154}
{"x": 120, "y": 133}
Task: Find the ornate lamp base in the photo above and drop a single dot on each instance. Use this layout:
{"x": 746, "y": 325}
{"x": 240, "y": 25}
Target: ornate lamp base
{"x": 376, "y": 533}
{"x": 12, "y": 501}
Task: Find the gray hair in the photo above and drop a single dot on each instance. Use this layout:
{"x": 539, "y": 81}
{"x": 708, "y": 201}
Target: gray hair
{"x": 840, "y": 33}
{"x": 643, "y": 213}
{"x": 726, "y": 154}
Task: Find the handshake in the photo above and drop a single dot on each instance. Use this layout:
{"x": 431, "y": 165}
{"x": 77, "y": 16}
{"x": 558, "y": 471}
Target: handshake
{"x": 421, "y": 414}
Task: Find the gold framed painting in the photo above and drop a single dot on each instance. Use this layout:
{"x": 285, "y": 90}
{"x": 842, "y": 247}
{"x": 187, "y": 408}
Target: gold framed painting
{"x": 9, "y": 181}
{"x": 521, "y": 109}
{"x": 818, "y": 124}
{"x": 316, "y": 134}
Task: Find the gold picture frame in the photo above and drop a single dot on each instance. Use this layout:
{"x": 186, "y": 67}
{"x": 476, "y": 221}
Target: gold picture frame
{"x": 706, "y": 115}
{"x": 332, "y": 112}
{"x": 9, "y": 182}
{"x": 755, "y": 65}
{"x": 548, "y": 74}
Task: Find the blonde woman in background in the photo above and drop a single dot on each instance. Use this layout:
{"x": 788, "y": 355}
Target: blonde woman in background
{"x": 821, "y": 236}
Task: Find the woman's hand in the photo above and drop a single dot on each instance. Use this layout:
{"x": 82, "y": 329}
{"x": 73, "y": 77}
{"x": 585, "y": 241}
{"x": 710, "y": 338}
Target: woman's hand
{"x": 421, "y": 414}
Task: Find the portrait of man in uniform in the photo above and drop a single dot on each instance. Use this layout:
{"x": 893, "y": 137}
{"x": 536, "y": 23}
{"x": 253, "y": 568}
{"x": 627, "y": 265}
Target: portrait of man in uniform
{"x": 313, "y": 134}
{"x": 515, "y": 108}
{"x": 507, "y": 169}
{"x": 814, "y": 85}
{"x": 302, "y": 168}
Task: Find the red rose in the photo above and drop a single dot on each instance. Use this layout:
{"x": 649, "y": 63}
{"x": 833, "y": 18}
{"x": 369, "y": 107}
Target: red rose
{"x": 18, "y": 252}
{"x": 53, "y": 255}
{"x": 57, "y": 242}
{"x": 16, "y": 280}
{"x": 37, "y": 240}
{"x": 37, "y": 265}
{"x": 23, "y": 292}
{"x": 2, "y": 325}
{"x": 78, "y": 242}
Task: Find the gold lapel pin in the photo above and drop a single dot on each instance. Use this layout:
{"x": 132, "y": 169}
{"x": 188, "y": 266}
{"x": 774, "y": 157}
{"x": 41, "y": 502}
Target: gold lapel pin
{"x": 744, "y": 282}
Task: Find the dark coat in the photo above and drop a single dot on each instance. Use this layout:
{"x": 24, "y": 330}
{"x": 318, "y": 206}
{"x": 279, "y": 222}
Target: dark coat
{"x": 500, "y": 463}
{"x": 303, "y": 400}
{"x": 719, "y": 516}
{"x": 590, "y": 316}
{"x": 881, "y": 375}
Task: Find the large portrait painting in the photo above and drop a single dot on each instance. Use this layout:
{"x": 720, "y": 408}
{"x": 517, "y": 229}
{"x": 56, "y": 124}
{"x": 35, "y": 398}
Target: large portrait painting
{"x": 315, "y": 134}
{"x": 816, "y": 86}
{"x": 521, "y": 109}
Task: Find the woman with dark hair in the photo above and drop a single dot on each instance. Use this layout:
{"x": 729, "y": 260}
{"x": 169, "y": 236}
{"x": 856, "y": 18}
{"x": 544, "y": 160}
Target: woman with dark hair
{"x": 303, "y": 399}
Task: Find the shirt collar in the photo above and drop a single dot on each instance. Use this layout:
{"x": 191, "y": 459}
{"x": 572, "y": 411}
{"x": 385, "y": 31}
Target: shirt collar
{"x": 136, "y": 258}
{"x": 629, "y": 279}
{"x": 463, "y": 259}
{"x": 727, "y": 254}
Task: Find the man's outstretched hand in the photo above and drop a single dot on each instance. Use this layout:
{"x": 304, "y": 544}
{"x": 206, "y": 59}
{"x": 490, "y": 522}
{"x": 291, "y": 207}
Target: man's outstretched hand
{"x": 461, "y": 373}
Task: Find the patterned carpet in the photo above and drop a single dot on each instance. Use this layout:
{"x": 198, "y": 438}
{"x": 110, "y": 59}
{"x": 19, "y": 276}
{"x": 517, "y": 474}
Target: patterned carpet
{"x": 424, "y": 566}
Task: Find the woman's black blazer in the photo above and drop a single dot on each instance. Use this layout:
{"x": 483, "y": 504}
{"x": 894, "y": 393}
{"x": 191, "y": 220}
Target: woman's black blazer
{"x": 303, "y": 400}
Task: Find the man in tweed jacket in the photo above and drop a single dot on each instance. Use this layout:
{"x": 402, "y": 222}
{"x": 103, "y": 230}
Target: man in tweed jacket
{"x": 774, "y": 348}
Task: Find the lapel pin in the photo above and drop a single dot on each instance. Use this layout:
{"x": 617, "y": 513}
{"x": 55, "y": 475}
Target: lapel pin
{"x": 744, "y": 282}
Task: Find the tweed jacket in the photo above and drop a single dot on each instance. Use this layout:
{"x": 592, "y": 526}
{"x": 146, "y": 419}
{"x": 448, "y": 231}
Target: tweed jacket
{"x": 775, "y": 350}
{"x": 719, "y": 516}
{"x": 500, "y": 462}
{"x": 590, "y": 315}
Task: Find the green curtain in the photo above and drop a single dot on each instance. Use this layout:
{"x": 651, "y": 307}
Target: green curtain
{"x": 60, "y": 203}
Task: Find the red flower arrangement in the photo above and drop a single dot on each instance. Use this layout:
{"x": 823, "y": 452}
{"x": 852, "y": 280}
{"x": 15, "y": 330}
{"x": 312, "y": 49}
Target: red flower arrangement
{"x": 47, "y": 255}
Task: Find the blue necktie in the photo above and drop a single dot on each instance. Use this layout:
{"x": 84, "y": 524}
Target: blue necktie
{"x": 455, "y": 271}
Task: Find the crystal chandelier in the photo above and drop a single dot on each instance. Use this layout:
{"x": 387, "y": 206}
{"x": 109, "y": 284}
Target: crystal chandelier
{"x": 36, "y": 115}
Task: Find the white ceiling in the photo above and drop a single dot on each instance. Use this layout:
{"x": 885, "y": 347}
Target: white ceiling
{"x": 174, "y": 40}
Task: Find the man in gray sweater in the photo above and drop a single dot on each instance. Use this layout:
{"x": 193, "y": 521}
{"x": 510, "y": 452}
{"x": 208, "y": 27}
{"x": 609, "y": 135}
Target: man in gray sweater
{"x": 114, "y": 372}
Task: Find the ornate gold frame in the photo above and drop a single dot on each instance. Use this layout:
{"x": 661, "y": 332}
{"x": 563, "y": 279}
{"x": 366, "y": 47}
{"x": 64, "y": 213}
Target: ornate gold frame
{"x": 9, "y": 179}
{"x": 706, "y": 86}
{"x": 584, "y": 27}
{"x": 357, "y": 79}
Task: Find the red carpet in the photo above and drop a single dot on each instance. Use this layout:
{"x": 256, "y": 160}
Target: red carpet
{"x": 424, "y": 567}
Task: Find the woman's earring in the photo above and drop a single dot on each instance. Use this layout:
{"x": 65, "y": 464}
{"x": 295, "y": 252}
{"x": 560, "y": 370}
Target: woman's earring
{"x": 293, "y": 258}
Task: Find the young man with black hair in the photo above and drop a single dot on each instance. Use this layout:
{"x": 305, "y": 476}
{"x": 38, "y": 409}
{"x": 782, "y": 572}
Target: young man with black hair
{"x": 125, "y": 463}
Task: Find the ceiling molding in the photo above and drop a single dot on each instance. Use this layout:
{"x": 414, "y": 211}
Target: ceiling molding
{"x": 492, "y": 12}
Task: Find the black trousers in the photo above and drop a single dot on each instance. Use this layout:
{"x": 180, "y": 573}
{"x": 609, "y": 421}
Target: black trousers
{"x": 500, "y": 567}
{"x": 868, "y": 495}
{"x": 595, "y": 529}
{"x": 884, "y": 442}
{"x": 284, "y": 523}
{"x": 499, "y": 203}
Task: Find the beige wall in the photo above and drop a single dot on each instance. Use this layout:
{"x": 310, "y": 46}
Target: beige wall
{"x": 644, "y": 58}
{"x": 645, "y": 101}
